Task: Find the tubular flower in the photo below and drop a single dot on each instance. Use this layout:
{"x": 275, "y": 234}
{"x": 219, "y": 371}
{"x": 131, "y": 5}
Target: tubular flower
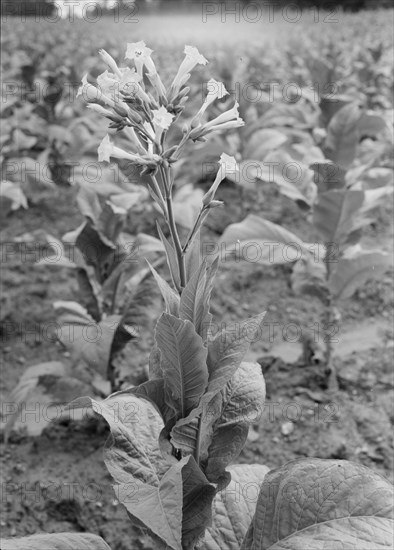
{"x": 130, "y": 85}
{"x": 110, "y": 61}
{"x": 162, "y": 120}
{"x": 192, "y": 58}
{"x": 228, "y": 165}
{"x": 100, "y": 110}
{"x": 228, "y": 119}
{"x": 216, "y": 90}
{"x": 141, "y": 55}
{"x": 107, "y": 149}
{"x": 91, "y": 94}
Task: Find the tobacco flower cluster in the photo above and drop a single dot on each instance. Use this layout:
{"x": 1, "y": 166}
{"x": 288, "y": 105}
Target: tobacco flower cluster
{"x": 136, "y": 102}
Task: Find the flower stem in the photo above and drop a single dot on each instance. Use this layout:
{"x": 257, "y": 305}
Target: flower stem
{"x": 166, "y": 176}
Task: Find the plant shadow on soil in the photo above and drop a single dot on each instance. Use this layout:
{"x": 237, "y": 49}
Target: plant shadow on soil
{"x": 58, "y": 481}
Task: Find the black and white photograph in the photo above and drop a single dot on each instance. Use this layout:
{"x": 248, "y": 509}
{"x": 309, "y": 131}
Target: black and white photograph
{"x": 196, "y": 260}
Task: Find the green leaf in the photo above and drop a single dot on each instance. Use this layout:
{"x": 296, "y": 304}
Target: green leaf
{"x": 148, "y": 485}
{"x": 293, "y": 177}
{"x": 193, "y": 256}
{"x": 11, "y": 197}
{"x": 377, "y": 177}
{"x": 152, "y": 391}
{"x": 225, "y": 354}
{"x": 183, "y": 357}
{"x": 234, "y": 507}
{"x": 198, "y": 495}
{"x": 171, "y": 298}
{"x": 263, "y": 142}
{"x": 263, "y": 241}
{"x": 56, "y": 541}
{"x": 228, "y": 348}
{"x": 328, "y": 176}
{"x": 314, "y": 504}
{"x": 192, "y": 304}
{"x": 330, "y": 105}
{"x": 371, "y": 125}
{"x": 86, "y": 339}
{"x": 354, "y": 271}
{"x": 343, "y": 135}
{"x": 374, "y": 197}
{"x": 88, "y": 203}
{"x": 242, "y": 404}
{"x": 336, "y": 216}
{"x": 29, "y": 380}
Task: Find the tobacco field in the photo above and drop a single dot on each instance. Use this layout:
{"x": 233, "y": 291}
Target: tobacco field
{"x": 264, "y": 157}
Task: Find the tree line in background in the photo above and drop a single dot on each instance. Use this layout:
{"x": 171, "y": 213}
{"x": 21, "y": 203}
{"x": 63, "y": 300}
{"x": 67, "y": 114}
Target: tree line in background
{"x": 48, "y": 7}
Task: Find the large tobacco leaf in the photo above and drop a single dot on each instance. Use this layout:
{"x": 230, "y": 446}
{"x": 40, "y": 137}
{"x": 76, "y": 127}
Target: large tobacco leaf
{"x": 193, "y": 433}
{"x": 56, "y": 541}
{"x": 315, "y": 504}
{"x": 149, "y": 486}
{"x": 352, "y": 272}
{"x": 269, "y": 243}
{"x": 85, "y": 338}
{"x": 183, "y": 360}
{"x": 219, "y": 434}
{"x": 336, "y": 216}
{"x": 343, "y": 134}
{"x": 234, "y": 507}
{"x": 242, "y": 404}
{"x": 172, "y": 499}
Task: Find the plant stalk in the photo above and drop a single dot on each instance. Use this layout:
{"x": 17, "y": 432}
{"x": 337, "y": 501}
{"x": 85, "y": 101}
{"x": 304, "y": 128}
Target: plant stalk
{"x": 165, "y": 173}
{"x": 328, "y": 319}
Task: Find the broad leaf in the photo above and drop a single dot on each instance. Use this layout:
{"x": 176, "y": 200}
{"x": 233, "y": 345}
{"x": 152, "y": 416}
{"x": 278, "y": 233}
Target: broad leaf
{"x": 225, "y": 354}
{"x": 242, "y": 404}
{"x": 261, "y": 241}
{"x": 328, "y": 175}
{"x": 152, "y": 391}
{"x": 234, "y": 507}
{"x": 314, "y": 504}
{"x": 11, "y": 197}
{"x": 56, "y": 541}
{"x": 88, "y": 203}
{"x": 263, "y": 142}
{"x": 374, "y": 197}
{"x": 183, "y": 360}
{"x": 228, "y": 348}
{"x": 192, "y": 304}
{"x": 149, "y": 486}
{"x": 198, "y": 495}
{"x": 86, "y": 339}
{"x": 171, "y": 298}
{"x": 343, "y": 135}
{"x": 352, "y": 272}
{"x": 293, "y": 177}
{"x": 28, "y": 381}
{"x": 193, "y": 256}
{"x": 336, "y": 216}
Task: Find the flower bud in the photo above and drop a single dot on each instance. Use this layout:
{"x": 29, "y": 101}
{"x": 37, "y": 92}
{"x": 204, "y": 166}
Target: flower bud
{"x": 120, "y": 110}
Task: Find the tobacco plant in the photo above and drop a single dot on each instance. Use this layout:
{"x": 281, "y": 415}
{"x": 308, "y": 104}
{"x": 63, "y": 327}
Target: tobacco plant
{"x": 173, "y": 438}
{"x": 334, "y": 265}
{"x": 108, "y": 306}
